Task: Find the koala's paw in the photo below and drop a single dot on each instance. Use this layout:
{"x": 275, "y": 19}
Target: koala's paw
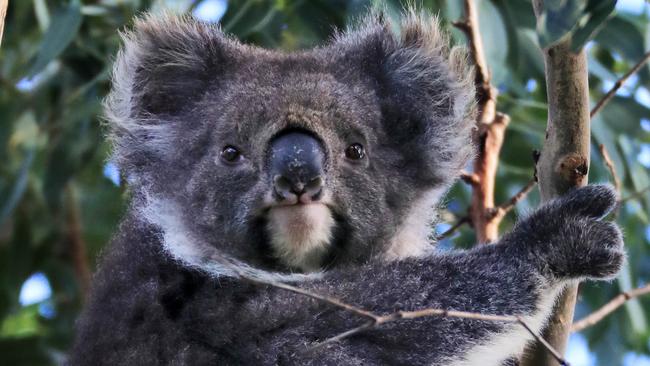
{"x": 587, "y": 248}
{"x": 568, "y": 239}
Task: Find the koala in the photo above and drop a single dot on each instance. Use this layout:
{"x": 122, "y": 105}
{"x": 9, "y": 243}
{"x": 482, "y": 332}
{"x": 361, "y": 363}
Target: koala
{"x": 322, "y": 169}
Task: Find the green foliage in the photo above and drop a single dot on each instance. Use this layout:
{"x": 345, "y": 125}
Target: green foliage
{"x": 579, "y": 19}
{"x": 53, "y": 153}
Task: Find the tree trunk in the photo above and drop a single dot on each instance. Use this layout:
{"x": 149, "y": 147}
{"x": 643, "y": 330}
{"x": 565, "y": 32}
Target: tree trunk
{"x": 563, "y": 164}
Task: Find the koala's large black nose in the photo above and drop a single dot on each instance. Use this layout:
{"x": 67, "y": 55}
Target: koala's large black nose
{"x": 296, "y": 166}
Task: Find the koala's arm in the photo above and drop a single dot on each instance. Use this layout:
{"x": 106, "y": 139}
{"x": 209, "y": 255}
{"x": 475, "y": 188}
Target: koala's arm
{"x": 521, "y": 275}
{"x": 145, "y": 310}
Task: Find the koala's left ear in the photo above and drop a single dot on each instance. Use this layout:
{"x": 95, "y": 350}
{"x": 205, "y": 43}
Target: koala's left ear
{"x": 425, "y": 89}
{"x": 165, "y": 65}
{"x": 165, "y": 61}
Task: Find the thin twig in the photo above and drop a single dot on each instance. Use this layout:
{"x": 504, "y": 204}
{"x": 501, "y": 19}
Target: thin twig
{"x": 500, "y": 211}
{"x": 618, "y": 84}
{"x": 603, "y": 101}
{"x": 470, "y": 178}
{"x": 495, "y": 213}
{"x": 635, "y": 195}
{"x": 460, "y": 222}
{"x": 608, "y": 308}
{"x": 610, "y": 166}
{"x": 549, "y": 348}
{"x": 443, "y": 313}
{"x": 326, "y": 299}
{"x": 375, "y": 320}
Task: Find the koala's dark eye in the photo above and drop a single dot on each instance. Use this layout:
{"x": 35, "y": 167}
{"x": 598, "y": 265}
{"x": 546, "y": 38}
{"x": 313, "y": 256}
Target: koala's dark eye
{"x": 355, "y": 152}
{"x": 231, "y": 155}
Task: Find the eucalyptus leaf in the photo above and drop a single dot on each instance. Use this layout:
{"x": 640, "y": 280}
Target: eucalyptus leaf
{"x": 596, "y": 15}
{"x": 63, "y": 28}
{"x": 558, "y": 18}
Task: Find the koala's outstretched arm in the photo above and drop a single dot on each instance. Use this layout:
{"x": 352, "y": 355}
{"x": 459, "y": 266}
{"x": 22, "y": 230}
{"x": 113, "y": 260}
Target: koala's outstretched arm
{"x": 521, "y": 275}
{"x": 148, "y": 309}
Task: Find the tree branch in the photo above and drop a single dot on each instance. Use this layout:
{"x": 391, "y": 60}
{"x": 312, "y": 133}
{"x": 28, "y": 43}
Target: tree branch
{"x": 564, "y": 162}
{"x": 618, "y": 84}
{"x": 494, "y": 214}
{"x": 603, "y": 101}
{"x": 77, "y": 244}
{"x": 610, "y": 166}
{"x": 609, "y": 308}
{"x": 470, "y": 178}
{"x": 500, "y": 211}
{"x": 460, "y": 222}
{"x": 635, "y": 195}
{"x": 491, "y": 131}
{"x": 375, "y": 320}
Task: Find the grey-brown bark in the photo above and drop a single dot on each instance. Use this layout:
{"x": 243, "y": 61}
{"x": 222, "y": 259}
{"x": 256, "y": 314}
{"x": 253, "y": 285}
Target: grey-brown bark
{"x": 564, "y": 162}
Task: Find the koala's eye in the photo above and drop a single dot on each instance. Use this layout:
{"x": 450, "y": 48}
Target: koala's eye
{"x": 231, "y": 155}
{"x": 355, "y": 152}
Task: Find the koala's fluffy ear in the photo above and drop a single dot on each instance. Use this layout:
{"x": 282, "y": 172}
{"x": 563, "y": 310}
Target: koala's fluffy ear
{"x": 425, "y": 89}
{"x": 164, "y": 66}
{"x": 166, "y": 60}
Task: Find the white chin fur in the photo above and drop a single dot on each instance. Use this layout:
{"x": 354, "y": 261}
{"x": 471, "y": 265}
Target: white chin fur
{"x": 301, "y": 234}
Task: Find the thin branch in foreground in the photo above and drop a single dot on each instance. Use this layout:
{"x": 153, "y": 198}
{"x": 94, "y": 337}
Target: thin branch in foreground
{"x": 326, "y": 299}
{"x": 609, "y": 308}
{"x": 544, "y": 342}
{"x": 375, "y": 320}
{"x": 443, "y": 313}
{"x": 618, "y": 84}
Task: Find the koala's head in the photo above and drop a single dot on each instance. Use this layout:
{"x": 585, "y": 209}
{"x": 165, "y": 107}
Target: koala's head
{"x": 290, "y": 161}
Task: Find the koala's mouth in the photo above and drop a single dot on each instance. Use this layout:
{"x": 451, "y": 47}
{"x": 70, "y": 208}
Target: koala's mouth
{"x": 301, "y": 235}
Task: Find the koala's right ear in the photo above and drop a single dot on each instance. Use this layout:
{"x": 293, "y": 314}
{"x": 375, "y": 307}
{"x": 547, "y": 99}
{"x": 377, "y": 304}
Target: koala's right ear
{"x": 165, "y": 65}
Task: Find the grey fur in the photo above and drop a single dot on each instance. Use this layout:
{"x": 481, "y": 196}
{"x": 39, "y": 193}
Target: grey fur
{"x": 168, "y": 290}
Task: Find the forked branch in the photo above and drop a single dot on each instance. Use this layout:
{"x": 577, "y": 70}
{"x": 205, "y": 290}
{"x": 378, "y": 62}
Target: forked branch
{"x": 491, "y": 132}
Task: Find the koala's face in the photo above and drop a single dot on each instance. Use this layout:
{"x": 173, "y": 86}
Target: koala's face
{"x": 292, "y": 161}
